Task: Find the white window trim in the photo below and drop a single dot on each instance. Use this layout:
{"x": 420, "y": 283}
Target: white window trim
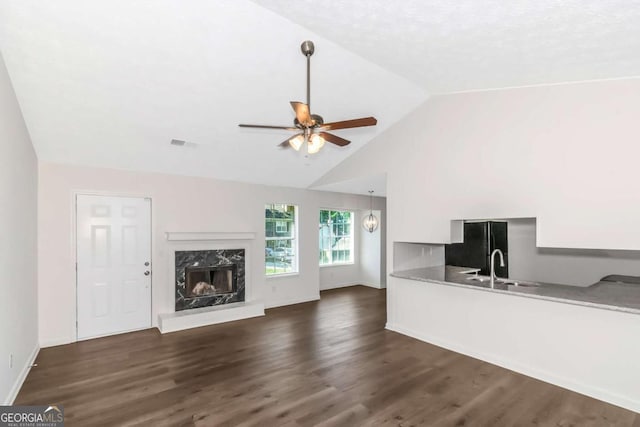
{"x": 337, "y": 264}
{"x": 281, "y": 275}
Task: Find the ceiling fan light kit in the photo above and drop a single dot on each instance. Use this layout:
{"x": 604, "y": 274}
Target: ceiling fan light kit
{"x": 312, "y": 127}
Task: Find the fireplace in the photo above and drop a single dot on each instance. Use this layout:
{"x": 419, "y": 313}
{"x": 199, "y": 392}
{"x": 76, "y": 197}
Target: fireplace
{"x": 209, "y": 277}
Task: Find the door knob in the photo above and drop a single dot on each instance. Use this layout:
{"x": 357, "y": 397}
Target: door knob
{"x": 146, "y": 273}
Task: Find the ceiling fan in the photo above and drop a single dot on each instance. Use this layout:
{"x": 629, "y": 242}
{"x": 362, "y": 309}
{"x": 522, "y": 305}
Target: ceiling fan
{"x": 311, "y": 128}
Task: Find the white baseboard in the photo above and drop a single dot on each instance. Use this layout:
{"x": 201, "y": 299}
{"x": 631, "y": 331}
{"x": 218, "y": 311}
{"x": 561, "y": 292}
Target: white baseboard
{"x": 291, "y": 301}
{"x": 13, "y": 393}
{"x": 372, "y": 285}
{"x": 346, "y": 285}
{"x": 56, "y": 342}
{"x": 549, "y": 377}
{"x": 337, "y": 286}
{"x": 187, "y": 319}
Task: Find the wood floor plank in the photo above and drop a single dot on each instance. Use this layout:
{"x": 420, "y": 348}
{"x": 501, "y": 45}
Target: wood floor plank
{"x": 328, "y": 363}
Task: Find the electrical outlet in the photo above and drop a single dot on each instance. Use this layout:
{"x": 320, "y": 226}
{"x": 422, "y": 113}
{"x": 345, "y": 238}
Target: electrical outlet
{"x": 273, "y": 289}
{"x": 11, "y": 361}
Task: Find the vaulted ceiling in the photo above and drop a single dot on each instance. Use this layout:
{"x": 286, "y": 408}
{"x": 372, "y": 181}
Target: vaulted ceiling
{"x": 110, "y": 83}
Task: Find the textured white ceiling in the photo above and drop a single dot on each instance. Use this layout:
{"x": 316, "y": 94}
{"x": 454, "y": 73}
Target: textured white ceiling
{"x": 449, "y": 46}
{"x": 110, "y": 83}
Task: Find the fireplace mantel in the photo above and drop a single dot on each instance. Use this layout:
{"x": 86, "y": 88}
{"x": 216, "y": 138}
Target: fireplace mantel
{"x": 191, "y": 236}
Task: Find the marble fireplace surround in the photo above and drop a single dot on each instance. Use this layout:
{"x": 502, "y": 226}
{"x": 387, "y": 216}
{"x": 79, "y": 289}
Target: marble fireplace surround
{"x": 211, "y": 241}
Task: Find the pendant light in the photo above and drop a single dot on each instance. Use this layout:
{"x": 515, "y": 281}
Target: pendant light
{"x": 370, "y": 222}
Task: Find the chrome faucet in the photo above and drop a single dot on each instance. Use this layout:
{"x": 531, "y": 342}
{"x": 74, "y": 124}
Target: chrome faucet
{"x": 493, "y": 266}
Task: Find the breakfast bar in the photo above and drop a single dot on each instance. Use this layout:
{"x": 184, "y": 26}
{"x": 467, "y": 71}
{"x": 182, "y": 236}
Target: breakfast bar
{"x": 580, "y": 338}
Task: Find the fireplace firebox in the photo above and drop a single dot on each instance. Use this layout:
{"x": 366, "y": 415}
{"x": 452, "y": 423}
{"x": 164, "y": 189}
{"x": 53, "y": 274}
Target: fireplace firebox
{"x": 210, "y": 280}
{"x": 209, "y": 277}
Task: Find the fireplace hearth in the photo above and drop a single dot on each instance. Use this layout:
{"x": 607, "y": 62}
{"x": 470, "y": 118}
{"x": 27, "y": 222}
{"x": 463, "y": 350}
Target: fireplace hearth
{"x": 209, "y": 277}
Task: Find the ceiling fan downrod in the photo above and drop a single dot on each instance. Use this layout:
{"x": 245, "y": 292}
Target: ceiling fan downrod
{"x": 307, "y": 47}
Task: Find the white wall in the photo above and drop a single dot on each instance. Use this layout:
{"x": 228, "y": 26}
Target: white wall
{"x": 565, "y": 154}
{"x": 18, "y": 231}
{"x": 580, "y": 267}
{"x": 178, "y": 204}
{"x": 371, "y": 251}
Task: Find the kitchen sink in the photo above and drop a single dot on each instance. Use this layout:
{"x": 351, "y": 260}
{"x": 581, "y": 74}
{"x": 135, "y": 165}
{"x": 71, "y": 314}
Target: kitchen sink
{"x": 499, "y": 281}
{"x": 479, "y": 278}
{"x": 522, "y": 283}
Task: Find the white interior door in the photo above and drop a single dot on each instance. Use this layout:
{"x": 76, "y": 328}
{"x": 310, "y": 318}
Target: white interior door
{"x": 114, "y": 265}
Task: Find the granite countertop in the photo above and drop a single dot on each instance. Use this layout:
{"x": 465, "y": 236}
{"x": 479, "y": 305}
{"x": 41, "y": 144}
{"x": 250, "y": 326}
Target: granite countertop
{"x": 615, "y": 296}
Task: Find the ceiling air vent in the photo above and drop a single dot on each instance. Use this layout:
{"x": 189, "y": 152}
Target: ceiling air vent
{"x": 178, "y": 142}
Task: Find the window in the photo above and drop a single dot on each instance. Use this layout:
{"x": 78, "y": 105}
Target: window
{"x": 281, "y": 247}
{"x": 336, "y": 237}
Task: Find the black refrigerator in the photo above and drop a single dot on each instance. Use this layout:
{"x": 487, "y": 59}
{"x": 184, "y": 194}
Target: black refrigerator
{"x": 480, "y": 239}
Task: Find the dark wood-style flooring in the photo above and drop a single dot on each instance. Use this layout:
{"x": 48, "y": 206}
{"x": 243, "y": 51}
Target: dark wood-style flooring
{"x": 329, "y": 363}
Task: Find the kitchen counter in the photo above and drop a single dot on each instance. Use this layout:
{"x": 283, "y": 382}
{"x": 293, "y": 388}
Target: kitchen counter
{"x": 615, "y": 296}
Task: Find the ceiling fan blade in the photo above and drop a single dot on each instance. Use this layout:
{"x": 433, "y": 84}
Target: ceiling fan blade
{"x": 268, "y": 127}
{"x": 285, "y": 143}
{"x": 334, "y": 139}
{"x": 355, "y": 123}
{"x": 302, "y": 113}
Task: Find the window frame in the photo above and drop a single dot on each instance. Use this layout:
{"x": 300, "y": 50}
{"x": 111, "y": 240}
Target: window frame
{"x": 278, "y": 231}
{"x": 352, "y": 236}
